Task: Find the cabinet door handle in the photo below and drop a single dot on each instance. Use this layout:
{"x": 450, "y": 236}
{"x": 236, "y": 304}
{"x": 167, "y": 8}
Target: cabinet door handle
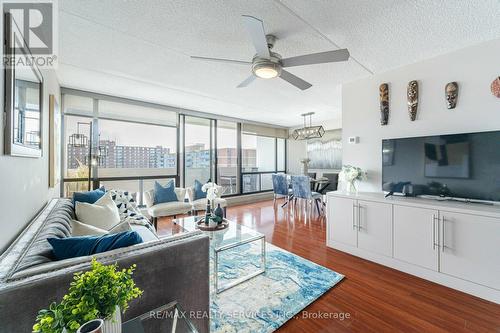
{"x": 443, "y": 220}
{"x": 359, "y": 216}
{"x": 434, "y": 218}
{"x": 354, "y": 206}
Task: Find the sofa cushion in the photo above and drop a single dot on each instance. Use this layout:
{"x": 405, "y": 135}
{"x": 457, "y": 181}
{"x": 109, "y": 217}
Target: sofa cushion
{"x": 198, "y": 190}
{"x": 103, "y": 214}
{"x": 169, "y": 209}
{"x": 165, "y": 193}
{"x": 72, "y": 247}
{"x": 88, "y": 196}
{"x": 83, "y": 229}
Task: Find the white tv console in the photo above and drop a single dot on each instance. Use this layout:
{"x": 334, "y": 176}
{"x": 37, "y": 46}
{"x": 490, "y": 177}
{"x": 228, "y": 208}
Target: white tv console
{"x": 451, "y": 243}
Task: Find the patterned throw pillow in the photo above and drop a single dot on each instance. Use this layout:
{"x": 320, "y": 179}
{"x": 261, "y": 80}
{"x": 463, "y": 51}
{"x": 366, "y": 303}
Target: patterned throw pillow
{"x": 127, "y": 207}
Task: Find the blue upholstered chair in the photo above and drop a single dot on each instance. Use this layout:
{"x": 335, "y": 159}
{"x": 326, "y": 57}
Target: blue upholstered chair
{"x": 280, "y": 186}
{"x": 301, "y": 187}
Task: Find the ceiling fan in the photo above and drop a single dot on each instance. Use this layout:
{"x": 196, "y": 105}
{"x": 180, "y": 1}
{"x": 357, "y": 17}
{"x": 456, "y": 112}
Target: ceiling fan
{"x": 267, "y": 64}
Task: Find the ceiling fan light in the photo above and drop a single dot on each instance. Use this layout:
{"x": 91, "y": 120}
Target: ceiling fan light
{"x": 266, "y": 72}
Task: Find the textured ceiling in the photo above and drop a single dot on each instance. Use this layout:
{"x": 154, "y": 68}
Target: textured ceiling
{"x": 140, "y": 49}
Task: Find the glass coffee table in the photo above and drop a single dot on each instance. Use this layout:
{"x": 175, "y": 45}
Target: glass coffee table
{"x": 169, "y": 318}
{"x": 223, "y": 240}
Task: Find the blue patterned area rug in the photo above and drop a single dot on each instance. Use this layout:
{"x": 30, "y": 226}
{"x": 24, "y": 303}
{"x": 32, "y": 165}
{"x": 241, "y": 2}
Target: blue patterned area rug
{"x": 264, "y": 303}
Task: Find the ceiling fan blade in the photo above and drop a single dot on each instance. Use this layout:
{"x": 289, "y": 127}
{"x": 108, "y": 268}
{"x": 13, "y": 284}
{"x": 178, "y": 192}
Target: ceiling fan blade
{"x": 247, "y": 81}
{"x": 316, "y": 58}
{"x": 295, "y": 80}
{"x": 238, "y": 62}
{"x": 256, "y": 30}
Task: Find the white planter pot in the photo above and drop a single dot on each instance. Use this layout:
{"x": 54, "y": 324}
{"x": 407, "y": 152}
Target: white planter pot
{"x": 113, "y": 324}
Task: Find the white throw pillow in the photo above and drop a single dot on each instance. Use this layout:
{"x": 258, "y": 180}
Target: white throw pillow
{"x": 102, "y": 214}
{"x": 82, "y": 229}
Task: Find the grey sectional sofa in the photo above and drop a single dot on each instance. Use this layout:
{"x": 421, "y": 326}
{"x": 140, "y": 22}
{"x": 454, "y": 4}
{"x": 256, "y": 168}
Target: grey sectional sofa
{"x": 168, "y": 269}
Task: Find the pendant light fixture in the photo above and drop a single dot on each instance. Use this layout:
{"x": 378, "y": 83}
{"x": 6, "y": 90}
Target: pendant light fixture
{"x": 308, "y": 132}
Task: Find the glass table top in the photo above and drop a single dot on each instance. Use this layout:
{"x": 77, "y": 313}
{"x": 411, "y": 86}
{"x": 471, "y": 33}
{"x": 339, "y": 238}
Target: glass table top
{"x": 169, "y": 318}
{"x": 234, "y": 234}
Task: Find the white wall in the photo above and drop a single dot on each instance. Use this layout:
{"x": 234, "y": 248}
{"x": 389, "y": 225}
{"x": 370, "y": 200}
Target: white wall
{"x": 474, "y": 69}
{"x": 24, "y": 182}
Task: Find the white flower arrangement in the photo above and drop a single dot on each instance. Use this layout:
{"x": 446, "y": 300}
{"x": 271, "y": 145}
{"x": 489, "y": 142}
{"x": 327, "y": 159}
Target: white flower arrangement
{"x": 350, "y": 174}
{"x": 212, "y": 190}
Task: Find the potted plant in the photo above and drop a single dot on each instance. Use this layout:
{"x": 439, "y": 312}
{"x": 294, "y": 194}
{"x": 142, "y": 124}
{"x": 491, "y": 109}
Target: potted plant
{"x": 101, "y": 292}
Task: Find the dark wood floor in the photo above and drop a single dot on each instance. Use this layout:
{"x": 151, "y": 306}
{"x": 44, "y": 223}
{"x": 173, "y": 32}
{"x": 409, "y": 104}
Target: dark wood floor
{"x": 376, "y": 298}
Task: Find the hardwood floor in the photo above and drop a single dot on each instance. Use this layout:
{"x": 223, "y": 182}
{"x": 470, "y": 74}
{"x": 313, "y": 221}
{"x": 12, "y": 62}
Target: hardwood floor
{"x": 372, "y": 298}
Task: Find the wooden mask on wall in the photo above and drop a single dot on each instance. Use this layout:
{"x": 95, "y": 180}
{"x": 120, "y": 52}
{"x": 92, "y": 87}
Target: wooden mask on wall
{"x": 495, "y": 87}
{"x": 451, "y": 94}
{"x": 384, "y": 103}
{"x": 412, "y": 94}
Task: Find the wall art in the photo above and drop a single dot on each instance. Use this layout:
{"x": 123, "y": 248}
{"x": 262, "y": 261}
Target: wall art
{"x": 451, "y": 94}
{"x": 384, "y": 104}
{"x": 412, "y": 95}
{"x": 495, "y": 87}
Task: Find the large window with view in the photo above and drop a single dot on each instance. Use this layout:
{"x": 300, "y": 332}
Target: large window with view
{"x": 128, "y": 145}
{"x": 122, "y": 145}
{"x": 227, "y": 157}
{"x": 260, "y": 156}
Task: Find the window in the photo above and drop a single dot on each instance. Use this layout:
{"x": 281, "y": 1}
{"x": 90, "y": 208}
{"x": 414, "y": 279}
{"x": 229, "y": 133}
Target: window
{"x": 227, "y": 156}
{"x": 198, "y": 155}
{"x": 76, "y": 143}
{"x": 136, "y": 149}
{"x": 281, "y": 155}
{"x": 128, "y": 144}
{"x": 261, "y": 157}
{"x": 258, "y": 153}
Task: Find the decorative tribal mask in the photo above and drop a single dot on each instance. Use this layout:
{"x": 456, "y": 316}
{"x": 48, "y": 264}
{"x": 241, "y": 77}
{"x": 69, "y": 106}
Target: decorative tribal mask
{"x": 412, "y": 94}
{"x": 495, "y": 87}
{"x": 451, "y": 91}
{"x": 384, "y": 103}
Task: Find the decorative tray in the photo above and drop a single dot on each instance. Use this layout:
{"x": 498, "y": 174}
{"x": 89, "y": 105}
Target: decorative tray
{"x": 221, "y": 226}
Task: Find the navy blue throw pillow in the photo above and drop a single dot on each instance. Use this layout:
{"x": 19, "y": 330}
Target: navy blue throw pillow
{"x": 165, "y": 193}
{"x": 72, "y": 247}
{"x": 197, "y": 191}
{"x": 88, "y": 197}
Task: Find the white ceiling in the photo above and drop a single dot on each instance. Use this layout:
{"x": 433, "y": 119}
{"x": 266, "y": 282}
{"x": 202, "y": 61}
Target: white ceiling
{"x": 140, "y": 49}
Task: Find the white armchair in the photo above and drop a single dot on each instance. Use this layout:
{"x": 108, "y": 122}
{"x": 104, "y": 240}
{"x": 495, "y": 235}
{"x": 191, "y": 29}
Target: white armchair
{"x": 201, "y": 204}
{"x": 172, "y": 208}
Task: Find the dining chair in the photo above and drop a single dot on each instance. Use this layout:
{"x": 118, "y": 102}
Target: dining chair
{"x": 280, "y": 187}
{"x": 301, "y": 189}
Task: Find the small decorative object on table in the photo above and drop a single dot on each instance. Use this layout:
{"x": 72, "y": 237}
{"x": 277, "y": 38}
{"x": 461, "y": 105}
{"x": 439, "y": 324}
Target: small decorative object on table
{"x": 223, "y": 224}
{"x": 96, "y": 294}
{"x": 349, "y": 176}
{"x": 384, "y": 104}
{"x": 207, "y": 212}
{"x": 212, "y": 193}
{"x": 412, "y": 94}
{"x": 451, "y": 93}
{"x": 219, "y": 212}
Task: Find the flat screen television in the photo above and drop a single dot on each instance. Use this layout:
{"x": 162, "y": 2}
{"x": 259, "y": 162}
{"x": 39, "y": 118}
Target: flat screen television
{"x": 465, "y": 166}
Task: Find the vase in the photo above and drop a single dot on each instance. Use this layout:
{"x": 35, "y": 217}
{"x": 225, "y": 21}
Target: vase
{"x": 92, "y": 326}
{"x": 219, "y": 211}
{"x": 113, "y": 324}
{"x": 351, "y": 187}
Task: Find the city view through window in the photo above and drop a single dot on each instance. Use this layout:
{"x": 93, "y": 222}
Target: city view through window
{"x": 133, "y": 149}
